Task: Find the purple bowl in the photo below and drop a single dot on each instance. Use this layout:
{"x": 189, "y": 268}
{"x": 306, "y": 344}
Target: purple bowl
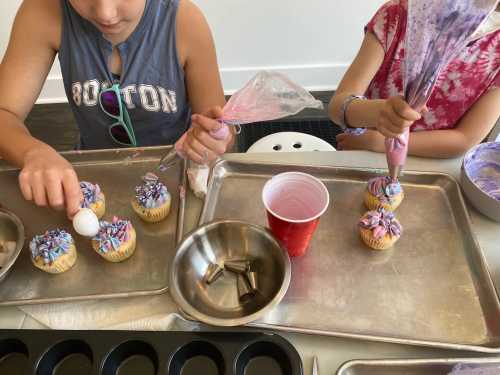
{"x": 481, "y": 178}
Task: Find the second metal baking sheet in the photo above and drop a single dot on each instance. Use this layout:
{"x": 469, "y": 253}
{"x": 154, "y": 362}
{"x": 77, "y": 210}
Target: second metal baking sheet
{"x": 432, "y": 288}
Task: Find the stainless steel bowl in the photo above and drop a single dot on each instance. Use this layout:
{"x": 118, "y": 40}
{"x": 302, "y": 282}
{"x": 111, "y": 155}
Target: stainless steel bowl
{"x": 11, "y": 231}
{"x": 480, "y": 164}
{"x": 218, "y": 304}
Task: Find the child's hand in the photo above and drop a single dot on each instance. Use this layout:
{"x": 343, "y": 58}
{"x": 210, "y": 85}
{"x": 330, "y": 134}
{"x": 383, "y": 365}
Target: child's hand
{"x": 395, "y": 116}
{"x": 370, "y": 140}
{"x": 49, "y": 179}
{"x": 201, "y": 146}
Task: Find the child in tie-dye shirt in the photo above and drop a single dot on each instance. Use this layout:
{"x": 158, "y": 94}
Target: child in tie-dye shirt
{"x": 462, "y": 110}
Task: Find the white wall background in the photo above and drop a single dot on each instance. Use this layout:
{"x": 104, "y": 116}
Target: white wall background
{"x": 53, "y": 91}
{"x": 312, "y": 41}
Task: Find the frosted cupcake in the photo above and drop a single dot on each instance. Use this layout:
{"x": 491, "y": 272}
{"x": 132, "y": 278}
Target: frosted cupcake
{"x": 116, "y": 240}
{"x": 380, "y": 229}
{"x": 93, "y": 198}
{"x": 152, "y": 199}
{"x": 54, "y": 251}
{"x": 383, "y": 192}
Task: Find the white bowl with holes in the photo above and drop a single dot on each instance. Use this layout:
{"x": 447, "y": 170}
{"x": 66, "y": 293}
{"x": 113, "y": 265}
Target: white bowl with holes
{"x": 290, "y": 142}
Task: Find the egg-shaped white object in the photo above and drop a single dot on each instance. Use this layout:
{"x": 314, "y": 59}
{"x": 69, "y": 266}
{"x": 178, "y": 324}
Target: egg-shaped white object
{"x": 86, "y": 223}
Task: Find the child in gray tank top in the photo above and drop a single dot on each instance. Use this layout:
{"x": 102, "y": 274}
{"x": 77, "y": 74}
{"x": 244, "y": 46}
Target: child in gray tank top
{"x": 135, "y": 72}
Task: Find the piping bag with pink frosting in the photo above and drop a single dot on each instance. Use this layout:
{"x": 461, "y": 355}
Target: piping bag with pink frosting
{"x": 267, "y": 96}
{"x": 436, "y": 31}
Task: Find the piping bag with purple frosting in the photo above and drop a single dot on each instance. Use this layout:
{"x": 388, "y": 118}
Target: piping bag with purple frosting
{"x": 436, "y": 31}
{"x": 267, "y": 96}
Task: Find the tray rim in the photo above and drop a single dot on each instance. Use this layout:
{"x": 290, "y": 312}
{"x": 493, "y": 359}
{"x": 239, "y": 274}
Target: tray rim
{"x": 4, "y": 166}
{"x": 376, "y": 171}
{"x": 416, "y": 361}
{"x": 414, "y": 342}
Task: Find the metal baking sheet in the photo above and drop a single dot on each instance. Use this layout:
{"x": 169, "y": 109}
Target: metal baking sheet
{"x": 433, "y": 288}
{"x": 145, "y": 273}
{"x": 436, "y": 366}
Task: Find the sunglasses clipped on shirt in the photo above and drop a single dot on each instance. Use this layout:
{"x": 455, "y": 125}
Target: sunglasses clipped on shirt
{"x": 121, "y": 131}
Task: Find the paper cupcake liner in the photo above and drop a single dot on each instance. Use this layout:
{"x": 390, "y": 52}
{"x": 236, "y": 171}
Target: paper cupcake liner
{"x": 125, "y": 251}
{"x": 372, "y": 202}
{"x": 152, "y": 215}
{"x": 383, "y": 243}
{"x": 61, "y": 264}
{"x": 99, "y": 207}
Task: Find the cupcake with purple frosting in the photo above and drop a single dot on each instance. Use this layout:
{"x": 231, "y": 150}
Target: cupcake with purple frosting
{"x": 380, "y": 229}
{"x": 116, "y": 240}
{"x": 93, "y": 198}
{"x": 383, "y": 192}
{"x": 54, "y": 251}
{"x": 152, "y": 199}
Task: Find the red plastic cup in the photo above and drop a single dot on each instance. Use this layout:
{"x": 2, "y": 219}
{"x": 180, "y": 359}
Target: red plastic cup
{"x": 294, "y": 202}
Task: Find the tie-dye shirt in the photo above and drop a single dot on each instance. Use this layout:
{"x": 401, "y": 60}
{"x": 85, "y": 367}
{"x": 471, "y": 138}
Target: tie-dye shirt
{"x": 473, "y": 72}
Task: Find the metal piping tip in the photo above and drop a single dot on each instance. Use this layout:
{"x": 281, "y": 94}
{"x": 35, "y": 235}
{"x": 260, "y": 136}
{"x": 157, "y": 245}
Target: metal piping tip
{"x": 244, "y": 290}
{"x": 239, "y": 260}
{"x": 239, "y": 266}
{"x": 252, "y": 280}
{"x": 168, "y": 160}
{"x": 394, "y": 171}
{"x": 214, "y": 271}
{"x": 315, "y": 369}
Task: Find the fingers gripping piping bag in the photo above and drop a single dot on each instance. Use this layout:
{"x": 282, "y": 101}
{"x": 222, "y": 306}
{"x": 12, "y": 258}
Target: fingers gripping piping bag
{"x": 436, "y": 31}
{"x": 267, "y": 96}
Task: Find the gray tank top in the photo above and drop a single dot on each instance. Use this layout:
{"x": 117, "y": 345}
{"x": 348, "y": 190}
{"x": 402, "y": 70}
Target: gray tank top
{"x": 151, "y": 82}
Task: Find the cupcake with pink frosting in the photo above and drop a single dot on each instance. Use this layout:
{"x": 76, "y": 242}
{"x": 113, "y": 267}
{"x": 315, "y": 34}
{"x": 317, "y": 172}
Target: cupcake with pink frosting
{"x": 115, "y": 240}
{"x": 380, "y": 229}
{"x": 383, "y": 192}
{"x": 93, "y": 198}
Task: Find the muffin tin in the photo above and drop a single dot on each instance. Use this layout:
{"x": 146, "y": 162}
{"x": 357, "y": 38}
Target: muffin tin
{"x": 40, "y": 352}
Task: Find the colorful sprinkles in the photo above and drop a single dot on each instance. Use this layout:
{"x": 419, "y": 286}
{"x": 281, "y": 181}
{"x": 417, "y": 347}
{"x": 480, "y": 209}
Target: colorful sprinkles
{"x": 51, "y": 245}
{"x": 151, "y": 193}
{"x": 90, "y": 193}
{"x": 112, "y": 234}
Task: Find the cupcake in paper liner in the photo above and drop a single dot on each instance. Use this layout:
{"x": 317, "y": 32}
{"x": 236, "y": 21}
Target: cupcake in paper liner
{"x": 93, "y": 198}
{"x": 380, "y": 229}
{"x": 152, "y": 200}
{"x": 116, "y": 240}
{"x": 53, "y": 252}
{"x": 383, "y": 192}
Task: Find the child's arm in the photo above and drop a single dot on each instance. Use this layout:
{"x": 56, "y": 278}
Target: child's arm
{"x": 206, "y": 96}
{"x": 46, "y": 178}
{"x": 196, "y": 46}
{"x": 391, "y": 117}
{"x": 472, "y": 129}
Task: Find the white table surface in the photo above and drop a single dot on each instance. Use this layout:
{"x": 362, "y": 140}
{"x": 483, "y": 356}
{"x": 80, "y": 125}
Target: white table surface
{"x": 331, "y": 351}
